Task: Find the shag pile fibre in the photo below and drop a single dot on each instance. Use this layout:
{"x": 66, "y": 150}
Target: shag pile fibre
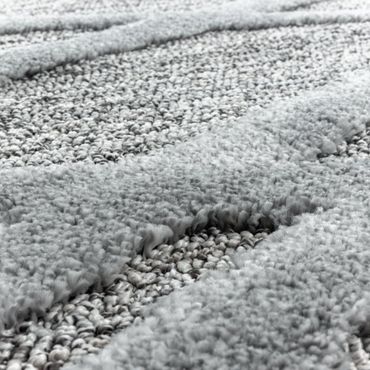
{"x": 124, "y": 126}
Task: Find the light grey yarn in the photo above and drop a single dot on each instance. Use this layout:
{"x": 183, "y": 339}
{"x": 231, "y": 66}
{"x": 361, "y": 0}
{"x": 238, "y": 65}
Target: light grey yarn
{"x": 104, "y": 157}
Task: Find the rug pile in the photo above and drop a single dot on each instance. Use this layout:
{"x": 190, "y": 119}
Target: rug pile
{"x": 184, "y": 184}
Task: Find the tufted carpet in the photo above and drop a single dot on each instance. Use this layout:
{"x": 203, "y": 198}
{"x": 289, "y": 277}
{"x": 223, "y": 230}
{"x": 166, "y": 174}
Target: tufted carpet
{"x": 132, "y": 129}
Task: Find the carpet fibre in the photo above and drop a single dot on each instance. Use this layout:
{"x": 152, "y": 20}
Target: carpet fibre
{"x": 184, "y": 184}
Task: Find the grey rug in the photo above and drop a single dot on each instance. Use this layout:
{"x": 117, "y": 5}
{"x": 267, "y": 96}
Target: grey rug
{"x": 128, "y": 126}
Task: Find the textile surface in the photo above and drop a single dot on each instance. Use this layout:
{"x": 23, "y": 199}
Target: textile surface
{"x": 128, "y": 129}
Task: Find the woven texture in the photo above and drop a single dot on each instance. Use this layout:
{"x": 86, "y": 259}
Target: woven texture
{"x": 128, "y": 127}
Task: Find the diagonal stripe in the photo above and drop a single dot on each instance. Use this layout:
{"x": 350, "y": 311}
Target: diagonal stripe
{"x": 22, "y": 61}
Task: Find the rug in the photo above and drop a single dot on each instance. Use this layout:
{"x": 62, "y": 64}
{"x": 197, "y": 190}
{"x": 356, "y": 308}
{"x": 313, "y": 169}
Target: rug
{"x": 184, "y": 184}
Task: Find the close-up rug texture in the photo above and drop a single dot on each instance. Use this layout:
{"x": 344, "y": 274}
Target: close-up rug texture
{"x": 184, "y": 184}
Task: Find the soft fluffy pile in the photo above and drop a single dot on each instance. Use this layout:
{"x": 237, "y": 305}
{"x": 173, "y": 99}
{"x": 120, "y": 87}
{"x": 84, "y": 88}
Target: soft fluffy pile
{"x": 126, "y": 126}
